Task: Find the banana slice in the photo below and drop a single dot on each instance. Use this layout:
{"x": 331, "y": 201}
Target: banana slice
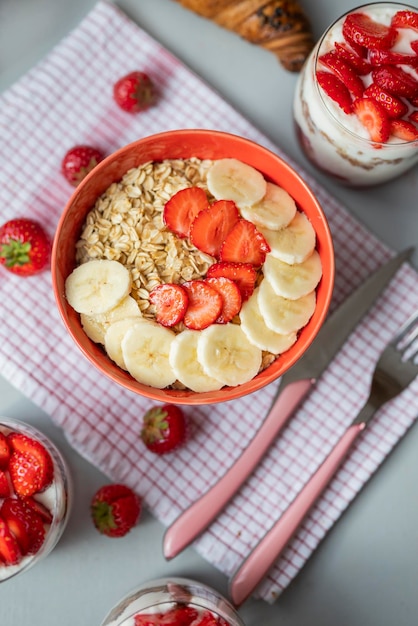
{"x": 225, "y": 353}
{"x": 95, "y": 326}
{"x": 274, "y": 211}
{"x": 231, "y": 179}
{"x": 145, "y": 349}
{"x": 293, "y": 281}
{"x": 253, "y": 325}
{"x": 282, "y": 315}
{"x": 186, "y": 367}
{"x": 97, "y": 286}
{"x": 113, "y": 339}
{"x": 294, "y": 243}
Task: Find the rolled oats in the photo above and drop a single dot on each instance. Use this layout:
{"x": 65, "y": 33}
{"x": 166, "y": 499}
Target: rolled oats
{"x": 126, "y": 225}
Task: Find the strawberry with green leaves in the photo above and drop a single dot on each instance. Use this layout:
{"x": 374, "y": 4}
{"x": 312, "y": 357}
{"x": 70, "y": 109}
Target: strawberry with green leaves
{"x": 164, "y": 428}
{"x": 25, "y": 247}
{"x": 115, "y": 510}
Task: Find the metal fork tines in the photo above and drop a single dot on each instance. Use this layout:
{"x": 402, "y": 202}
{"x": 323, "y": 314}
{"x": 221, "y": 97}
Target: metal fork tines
{"x": 395, "y": 370}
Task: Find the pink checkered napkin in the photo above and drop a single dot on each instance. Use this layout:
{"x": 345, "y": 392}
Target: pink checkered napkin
{"x": 66, "y": 99}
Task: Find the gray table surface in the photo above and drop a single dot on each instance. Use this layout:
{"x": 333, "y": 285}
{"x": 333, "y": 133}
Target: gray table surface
{"x": 366, "y": 571}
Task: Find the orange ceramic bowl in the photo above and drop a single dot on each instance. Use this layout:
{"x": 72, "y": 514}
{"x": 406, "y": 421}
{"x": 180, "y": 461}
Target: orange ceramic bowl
{"x": 182, "y": 144}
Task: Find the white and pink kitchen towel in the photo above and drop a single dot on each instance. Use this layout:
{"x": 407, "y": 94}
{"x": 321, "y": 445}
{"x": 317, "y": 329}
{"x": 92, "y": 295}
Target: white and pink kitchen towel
{"x": 65, "y": 100}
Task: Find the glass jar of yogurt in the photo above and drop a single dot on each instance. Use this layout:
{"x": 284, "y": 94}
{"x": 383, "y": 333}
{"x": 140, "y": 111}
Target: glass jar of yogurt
{"x": 175, "y": 601}
{"x": 356, "y": 99}
{"x": 35, "y": 496}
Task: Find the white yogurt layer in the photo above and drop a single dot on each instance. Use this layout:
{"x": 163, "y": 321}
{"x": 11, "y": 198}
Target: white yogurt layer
{"x": 338, "y": 142}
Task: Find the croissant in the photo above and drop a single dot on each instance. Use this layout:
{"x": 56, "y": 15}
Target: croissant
{"x": 280, "y": 26}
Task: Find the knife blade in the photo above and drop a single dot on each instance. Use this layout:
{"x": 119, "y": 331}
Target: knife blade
{"x": 294, "y": 386}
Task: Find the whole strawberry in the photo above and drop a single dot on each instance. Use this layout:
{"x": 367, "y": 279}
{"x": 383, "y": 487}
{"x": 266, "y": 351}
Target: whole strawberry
{"x": 79, "y": 161}
{"x": 164, "y": 428}
{"x": 25, "y": 247}
{"x": 134, "y": 92}
{"x": 115, "y": 510}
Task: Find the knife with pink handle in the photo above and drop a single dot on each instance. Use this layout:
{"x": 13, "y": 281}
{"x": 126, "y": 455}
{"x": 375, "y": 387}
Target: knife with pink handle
{"x": 294, "y": 387}
{"x": 269, "y": 549}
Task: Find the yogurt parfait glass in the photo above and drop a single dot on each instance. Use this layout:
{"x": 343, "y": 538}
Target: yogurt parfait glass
{"x": 31, "y": 524}
{"x": 176, "y": 601}
{"x": 356, "y": 99}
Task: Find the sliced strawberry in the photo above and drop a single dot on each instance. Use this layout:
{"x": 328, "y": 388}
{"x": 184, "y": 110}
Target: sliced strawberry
{"x": 9, "y": 548}
{"x": 4, "y": 451}
{"x": 231, "y": 298}
{"x": 361, "y": 65}
{"x": 414, "y": 101}
{"x": 396, "y": 81}
{"x": 209, "y": 619}
{"x": 405, "y": 19}
{"x": 205, "y": 305}
{"x": 414, "y": 117}
{"x": 37, "y": 455}
{"x": 393, "y": 106}
{"x": 17, "y": 518}
{"x": 182, "y": 208}
{"x": 345, "y": 72}
{"x": 374, "y": 118}
{"x": 364, "y": 31}
{"x": 243, "y": 274}
{"x": 210, "y": 227}
{"x": 244, "y": 244}
{"x": 39, "y": 508}
{"x": 402, "y": 129}
{"x": 170, "y": 302}
{"x": 335, "y": 89}
{"x": 180, "y": 615}
{"x": 4, "y": 484}
{"x": 388, "y": 57}
{"x": 414, "y": 45}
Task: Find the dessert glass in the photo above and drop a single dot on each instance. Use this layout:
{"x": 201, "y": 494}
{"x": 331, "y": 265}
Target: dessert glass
{"x": 161, "y": 595}
{"x": 57, "y": 497}
{"x": 335, "y": 142}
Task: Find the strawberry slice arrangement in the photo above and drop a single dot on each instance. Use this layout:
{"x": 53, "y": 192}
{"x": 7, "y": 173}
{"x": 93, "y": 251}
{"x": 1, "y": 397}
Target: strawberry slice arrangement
{"x": 180, "y": 615}
{"x": 26, "y": 470}
{"x": 219, "y": 230}
{"x": 368, "y": 76}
